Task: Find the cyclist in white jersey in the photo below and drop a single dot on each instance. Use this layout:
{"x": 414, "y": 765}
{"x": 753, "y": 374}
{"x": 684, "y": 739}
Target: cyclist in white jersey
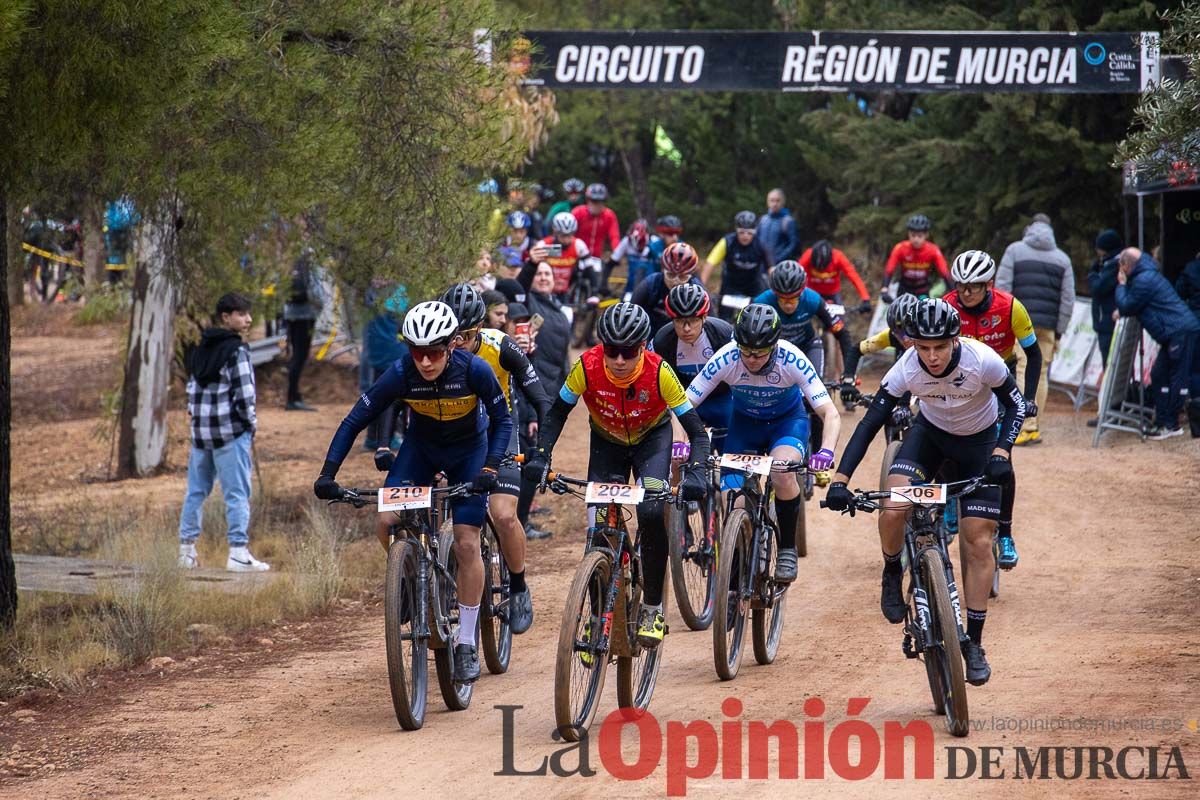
{"x": 962, "y": 385}
{"x": 769, "y": 379}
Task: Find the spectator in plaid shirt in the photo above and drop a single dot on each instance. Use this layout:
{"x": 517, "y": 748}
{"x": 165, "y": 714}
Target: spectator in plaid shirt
{"x": 221, "y": 403}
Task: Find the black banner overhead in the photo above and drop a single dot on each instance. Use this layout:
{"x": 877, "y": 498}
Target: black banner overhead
{"x": 830, "y": 61}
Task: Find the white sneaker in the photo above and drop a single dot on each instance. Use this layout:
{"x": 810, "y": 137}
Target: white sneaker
{"x": 187, "y": 556}
{"x": 240, "y": 560}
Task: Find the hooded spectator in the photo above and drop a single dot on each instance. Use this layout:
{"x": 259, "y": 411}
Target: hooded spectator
{"x": 777, "y": 228}
{"x": 1102, "y": 283}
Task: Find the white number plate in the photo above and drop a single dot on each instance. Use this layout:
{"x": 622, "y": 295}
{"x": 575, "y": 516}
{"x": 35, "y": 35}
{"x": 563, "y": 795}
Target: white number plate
{"x": 735, "y": 300}
{"x": 837, "y": 311}
{"x": 404, "y": 498}
{"x": 931, "y": 495}
{"x": 621, "y": 493}
{"x": 759, "y": 465}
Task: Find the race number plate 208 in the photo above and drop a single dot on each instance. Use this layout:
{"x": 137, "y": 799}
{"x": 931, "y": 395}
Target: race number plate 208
{"x": 621, "y": 493}
{"x": 404, "y": 498}
{"x": 759, "y": 465}
{"x": 931, "y": 495}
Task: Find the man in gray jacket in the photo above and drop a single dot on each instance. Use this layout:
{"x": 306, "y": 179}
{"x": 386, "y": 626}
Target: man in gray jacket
{"x": 1038, "y": 274}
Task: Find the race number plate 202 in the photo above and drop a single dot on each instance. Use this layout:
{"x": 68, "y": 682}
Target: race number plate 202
{"x": 404, "y": 498}
{"x": 759, "y": 465}
{"x": 613, "y": 493}
{"x": 931, "y": 495}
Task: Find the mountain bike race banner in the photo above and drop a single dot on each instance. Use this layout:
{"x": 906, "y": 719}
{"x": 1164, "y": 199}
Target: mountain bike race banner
{"x": 837, "y": 61}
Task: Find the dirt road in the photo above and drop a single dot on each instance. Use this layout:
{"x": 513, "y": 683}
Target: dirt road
{"x": 1097, "y": 623}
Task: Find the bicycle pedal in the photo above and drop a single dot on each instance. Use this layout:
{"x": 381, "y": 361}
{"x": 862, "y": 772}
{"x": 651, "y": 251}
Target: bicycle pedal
{"x": 907, "y": 647}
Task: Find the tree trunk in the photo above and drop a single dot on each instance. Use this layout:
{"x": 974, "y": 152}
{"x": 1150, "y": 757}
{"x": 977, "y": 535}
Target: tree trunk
{"x": 93, "y": 243}
{"x": 14, "y": 284}
{"x": 632, "y": 157}
{"x": 8, "y": 572}
{"x": 142, "y": 441}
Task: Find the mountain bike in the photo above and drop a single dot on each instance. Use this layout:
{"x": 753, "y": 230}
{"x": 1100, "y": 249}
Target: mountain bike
{"x": 420, "y": 597}
{"x": 495, "y": 633}
{"x": 599, "y": 622}
{"x": 933, "y": 629}
{"x": 745, "y": 568}
{"x": 694, "y": 531}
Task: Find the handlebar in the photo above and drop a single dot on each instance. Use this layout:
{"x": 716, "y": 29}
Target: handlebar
{"x": 870, "y": 500}
{"x": 777, "y": 464}
{"x": 360, "y": 497}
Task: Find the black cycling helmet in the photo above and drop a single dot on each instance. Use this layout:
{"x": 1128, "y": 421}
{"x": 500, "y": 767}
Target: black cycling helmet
{"x": 688, "y": 300}
{"x": 573, "y": 186}
{"x": 788, "y": 278}
{"x": 918, "y": 222}
{"x": 624, "y": 325}
{"x": 900, "y": 310}
{"x": 822, "y": 254}
{"x": 596, "y": 191}
{"x": 756, "y": 326}
{"x": 745, "y": 219}
{"x": 467, "y": 305}
{"x": 669, "y": 224}
{"x": 932, "y": 319}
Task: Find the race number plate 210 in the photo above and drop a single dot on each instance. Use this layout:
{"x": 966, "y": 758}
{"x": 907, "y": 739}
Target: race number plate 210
{"x": 404, "y": 498}
{"x": 621, "y": 493}
{"x": 759, "y": 465}
{"x": 931, "y": 495}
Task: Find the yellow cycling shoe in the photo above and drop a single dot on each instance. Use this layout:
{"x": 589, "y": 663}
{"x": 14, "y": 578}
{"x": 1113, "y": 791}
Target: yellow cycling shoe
{"x": 822, "y": 477}
{"x": 651, "y": 627}
{"x": 1028, "y": 437}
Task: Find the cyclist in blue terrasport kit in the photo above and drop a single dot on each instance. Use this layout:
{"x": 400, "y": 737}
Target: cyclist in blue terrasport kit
{"x": 770, "y": 381}
{"x": 687, "y": 342}
{"x": 459, "y": 425}
{"x": 962, "y": 385}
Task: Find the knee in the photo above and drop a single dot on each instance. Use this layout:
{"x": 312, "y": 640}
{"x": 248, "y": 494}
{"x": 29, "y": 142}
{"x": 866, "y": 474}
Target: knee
{"x": 505, "y": 516}
{"x": 466, "y": 547}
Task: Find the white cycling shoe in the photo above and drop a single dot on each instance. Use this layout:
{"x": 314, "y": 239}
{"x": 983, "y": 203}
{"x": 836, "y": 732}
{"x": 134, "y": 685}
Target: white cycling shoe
{"x": 187, "y": 556}
{"x": 240, "y": 560}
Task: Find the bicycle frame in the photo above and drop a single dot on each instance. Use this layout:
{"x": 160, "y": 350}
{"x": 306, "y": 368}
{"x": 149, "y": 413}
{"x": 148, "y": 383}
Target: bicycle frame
{"x": 923, "y": 531}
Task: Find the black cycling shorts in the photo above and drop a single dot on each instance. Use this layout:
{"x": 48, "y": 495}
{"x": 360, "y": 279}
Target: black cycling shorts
{"x": 928, "y": 450}
{"x": 650, "y": 462}
{"x": 508, "y": 477}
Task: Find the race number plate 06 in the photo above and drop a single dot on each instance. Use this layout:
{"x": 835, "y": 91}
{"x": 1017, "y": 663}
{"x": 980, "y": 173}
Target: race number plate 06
{"x": 621, "y": 493}
{"x": 759, "y": 465}
{"x": 931, "y": 495}
{"x": 404, "y": 498}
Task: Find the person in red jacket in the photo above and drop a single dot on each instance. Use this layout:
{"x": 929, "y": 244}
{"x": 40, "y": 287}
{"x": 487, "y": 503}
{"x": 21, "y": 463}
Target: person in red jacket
{"x": 825, "y": 265}
{"x": 916, "y": 258}
{"x": 598, "y": 226}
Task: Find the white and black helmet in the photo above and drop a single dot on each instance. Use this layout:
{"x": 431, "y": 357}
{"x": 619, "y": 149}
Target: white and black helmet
{"x": 564, "y": 222}
{"x": 933, "y": 319}
{"x": 428, "y": 324}
{"x": 973, "y": 266}
{"x": 624, "y": 325}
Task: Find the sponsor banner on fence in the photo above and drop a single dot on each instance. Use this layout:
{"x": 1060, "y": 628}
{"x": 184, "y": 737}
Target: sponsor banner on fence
{"x": 809, "y": 61}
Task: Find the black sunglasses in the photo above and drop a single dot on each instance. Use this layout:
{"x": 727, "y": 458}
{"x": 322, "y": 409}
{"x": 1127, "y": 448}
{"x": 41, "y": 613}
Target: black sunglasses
{"x": 628, "y": 352}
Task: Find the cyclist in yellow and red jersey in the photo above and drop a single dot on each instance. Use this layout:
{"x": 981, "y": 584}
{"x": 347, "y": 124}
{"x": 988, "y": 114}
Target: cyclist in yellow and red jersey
{"x": 997, "y": 319}
{"x": 826, "y": 265}
{"x": 915, "y": 259}
{"x": 630, "y": 394}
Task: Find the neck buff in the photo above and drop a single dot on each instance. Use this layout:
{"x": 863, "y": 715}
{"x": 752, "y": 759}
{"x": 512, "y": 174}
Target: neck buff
{"x": 633, "y": 376}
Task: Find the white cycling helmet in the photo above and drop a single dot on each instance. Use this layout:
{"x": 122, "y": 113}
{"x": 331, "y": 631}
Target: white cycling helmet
{"x": 429, "y": 324}
{"x": 564, "y": 222}
{"x": 973, "y": 266}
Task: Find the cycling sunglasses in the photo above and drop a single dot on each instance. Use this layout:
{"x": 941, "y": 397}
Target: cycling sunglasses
{"x": 763, "y": 353}
{"x": 628, "y": 352}
{"x": 434, "y": 353}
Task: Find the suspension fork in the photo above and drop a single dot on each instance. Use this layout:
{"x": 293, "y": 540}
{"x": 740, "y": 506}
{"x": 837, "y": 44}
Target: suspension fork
{"x": 618, "y": 565}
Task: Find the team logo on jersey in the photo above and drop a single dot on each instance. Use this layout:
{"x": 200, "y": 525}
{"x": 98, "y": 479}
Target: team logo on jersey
{"x": 984, "y": 322}
{"x": 644, "y": 396}
{"x": 959, "y": 380}
{"x": 995, "y": 319}
{"x": 773, "y": 377}
{"x": 708, "y": 352}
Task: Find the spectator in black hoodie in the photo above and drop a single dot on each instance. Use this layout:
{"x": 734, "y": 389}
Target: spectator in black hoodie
{"x": 221, "y": 402}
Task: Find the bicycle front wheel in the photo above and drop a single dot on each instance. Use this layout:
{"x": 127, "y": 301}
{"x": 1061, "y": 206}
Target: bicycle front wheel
{"x": 729, "y": 614}
{"x": 580, "y": 664}
{"x": 496, "y": 635}
{"x": 767, "y": 622}
{"x": 694, "y": 561}
{"x": 408, "y": 667}
{"x": 945, "y": 652}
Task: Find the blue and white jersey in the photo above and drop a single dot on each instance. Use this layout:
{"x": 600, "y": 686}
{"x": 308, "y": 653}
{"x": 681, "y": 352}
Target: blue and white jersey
{"x": 773, "y": 394}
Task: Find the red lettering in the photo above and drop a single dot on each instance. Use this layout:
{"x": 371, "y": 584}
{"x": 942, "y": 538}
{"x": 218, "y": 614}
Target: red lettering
{"x": 678, "y": 768}
{"x": 760, "y": 749}
{"x": 894, "y": 734}
{"x": 868, "y": 744}
{"x": 731, "y": 740}
{"x": 649, "y": 745}
{"x": 814, "y": 739}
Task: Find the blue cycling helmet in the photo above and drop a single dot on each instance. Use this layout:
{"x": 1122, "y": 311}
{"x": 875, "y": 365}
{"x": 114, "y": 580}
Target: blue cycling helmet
{"x": 517, "y": 219}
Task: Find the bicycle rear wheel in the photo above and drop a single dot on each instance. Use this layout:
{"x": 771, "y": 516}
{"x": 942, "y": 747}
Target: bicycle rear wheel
{"x": 408, "y": 667}
{"x": 945, "y": 651}
{"x": 495, "y": 634}
{"x": 694, "y": 562}
{"x": 767, "y": 623}
{"x": 995, "y": 590}
{"x": 455, "y": 694}
{"x": 580, "y": 666}
{"x": 729, "y": 614}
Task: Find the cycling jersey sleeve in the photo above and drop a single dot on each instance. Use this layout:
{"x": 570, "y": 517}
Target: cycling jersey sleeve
{"x": 1033, "y": 370}
{"x": 390, "y": 386}
{"x": 892, "y": 262}
{"x": 575, "y": 384}
{"x": 614, "y": 230}
{"x": 712, "y": 374}
{"x": 841, "y": 262}
{"x": 1022, "y": 325}
{"x": 621, "y": 250}
{"x": 514, "y": 360}
{"x": 940, "y": 261}
{"x": 672, "y": 391}
{"x": 483, "y": 382}
{"x": 1014, "y": 411}
{"x": 837, "y": 326}
{"x": 877, "y": 414}
{"x": 895, "y": 381}
{"x": 717, "y": 254}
